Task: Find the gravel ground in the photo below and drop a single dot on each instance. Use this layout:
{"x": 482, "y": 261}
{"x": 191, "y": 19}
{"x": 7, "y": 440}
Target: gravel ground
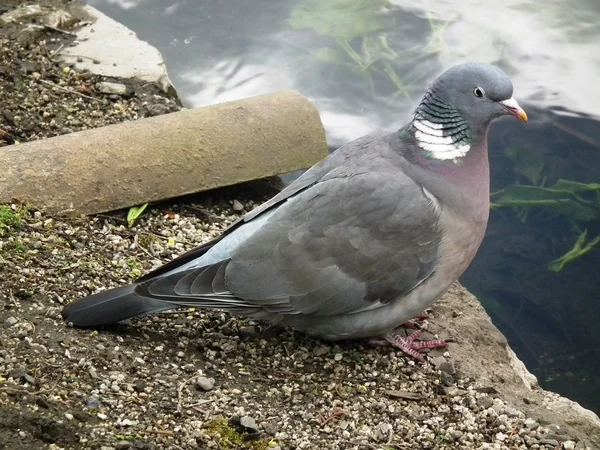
{"x": 193, "y": 379}
{"x": 190, "y": 379}
{"x": 41, "y": 98}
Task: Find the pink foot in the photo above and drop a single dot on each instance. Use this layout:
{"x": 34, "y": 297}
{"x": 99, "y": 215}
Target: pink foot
{"x": 410, "y": 346}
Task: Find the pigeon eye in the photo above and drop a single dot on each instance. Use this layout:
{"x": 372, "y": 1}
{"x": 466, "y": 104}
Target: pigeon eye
{"x": 479, "y": 92}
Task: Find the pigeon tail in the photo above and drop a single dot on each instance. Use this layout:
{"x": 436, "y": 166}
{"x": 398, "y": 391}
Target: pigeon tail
{"x": 112, "y": 306}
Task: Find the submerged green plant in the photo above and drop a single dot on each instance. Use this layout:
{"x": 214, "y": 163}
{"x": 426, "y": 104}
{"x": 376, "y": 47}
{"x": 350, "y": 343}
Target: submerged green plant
{"x": 134, "y": 213}
{"x": 577, "y": 202}
{"x": 346, "y": 21}
{"x": 580, "y": 248}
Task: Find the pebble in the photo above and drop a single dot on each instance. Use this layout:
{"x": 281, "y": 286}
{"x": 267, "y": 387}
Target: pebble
{"x": 512, "y": 412}
{"x": 237, "y": 206}
{"x": 206, "y": 384}
{"x": 383, "y": 432}
{"x": 249, "y": 423}
{"x": 531, "y": 423}
{"x": 11, "y": 321}
{"x": 106, "y": 87}
{"x": 485, "y": 401}
{"x": 338, "y": 357}
{"x": 321, "y": 350}
{"x": 93, "y": 402}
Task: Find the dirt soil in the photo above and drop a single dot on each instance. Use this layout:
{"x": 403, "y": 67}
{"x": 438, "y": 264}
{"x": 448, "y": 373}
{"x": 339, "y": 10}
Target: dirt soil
{"x": 204, "y": 380}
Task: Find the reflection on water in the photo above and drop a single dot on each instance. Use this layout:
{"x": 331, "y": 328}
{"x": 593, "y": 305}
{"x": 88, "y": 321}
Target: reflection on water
{"x": 365, "y": 63}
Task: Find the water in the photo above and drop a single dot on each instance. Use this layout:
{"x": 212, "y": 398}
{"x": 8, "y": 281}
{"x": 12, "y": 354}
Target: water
{"x": 366, "y": 65}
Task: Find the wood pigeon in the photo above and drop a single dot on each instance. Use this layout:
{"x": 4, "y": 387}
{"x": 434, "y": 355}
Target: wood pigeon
{"x": 363, "y": 241}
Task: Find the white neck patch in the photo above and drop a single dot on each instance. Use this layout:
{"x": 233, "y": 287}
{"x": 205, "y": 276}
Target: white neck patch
{"x": 430, "y": 137}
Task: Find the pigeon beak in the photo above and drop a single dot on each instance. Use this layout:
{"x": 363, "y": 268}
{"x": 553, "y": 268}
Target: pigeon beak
{"x": 512, "y": 107}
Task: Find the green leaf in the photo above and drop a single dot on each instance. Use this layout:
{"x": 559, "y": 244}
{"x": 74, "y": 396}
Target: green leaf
{"x": 576, "y": 187}
{"x": 341, "y": 19}
{"x": 579, "y": 249}
{"x": 134, "y": 213}
{"x": 562, "y": 202}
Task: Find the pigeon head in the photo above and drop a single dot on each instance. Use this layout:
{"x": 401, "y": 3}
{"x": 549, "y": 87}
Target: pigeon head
{"x": 457, "y": 109}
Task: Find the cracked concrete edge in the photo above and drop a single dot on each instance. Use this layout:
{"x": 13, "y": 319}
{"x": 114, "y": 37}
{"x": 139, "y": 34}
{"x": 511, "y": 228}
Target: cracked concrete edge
{"x": 108, "y": 48}
{"x": 481, "y": 351}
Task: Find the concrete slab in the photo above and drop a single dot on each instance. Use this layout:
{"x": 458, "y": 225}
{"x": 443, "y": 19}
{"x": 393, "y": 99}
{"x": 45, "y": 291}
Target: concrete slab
{"x": 108, "y": 48}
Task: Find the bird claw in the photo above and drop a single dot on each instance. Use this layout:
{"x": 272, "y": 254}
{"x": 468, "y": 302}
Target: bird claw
{"x": 410, "y": 346}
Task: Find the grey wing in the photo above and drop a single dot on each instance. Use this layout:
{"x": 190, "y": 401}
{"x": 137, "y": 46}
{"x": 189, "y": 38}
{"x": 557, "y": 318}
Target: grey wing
{"x": 343, "y": 245}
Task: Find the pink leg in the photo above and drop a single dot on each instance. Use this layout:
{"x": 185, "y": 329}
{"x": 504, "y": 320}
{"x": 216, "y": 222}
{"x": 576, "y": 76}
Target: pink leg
{"x": 410, "y": 346}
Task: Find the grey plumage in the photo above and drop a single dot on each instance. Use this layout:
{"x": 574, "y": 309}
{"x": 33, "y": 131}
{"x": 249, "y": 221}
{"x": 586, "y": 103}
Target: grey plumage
{"x": 363, "y": 241}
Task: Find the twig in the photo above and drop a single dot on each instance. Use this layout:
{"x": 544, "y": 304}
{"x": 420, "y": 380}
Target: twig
{"x": 162, "y": 432}
{"x": 166, "y": 238}
{"x": 55, "y": 52}
{"x": 49, "y": 83}
{"x": 50, "y": 27}
{"x": 180, "y": 390}
{"x": 376, "y": 447}
{"x": 12, "y": 297}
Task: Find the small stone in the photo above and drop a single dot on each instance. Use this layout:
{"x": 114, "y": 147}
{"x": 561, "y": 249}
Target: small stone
{"x": 248, "y": 332}
{"x": 249, "y": 423}
{"x": 453, "y": 391}
{"x": 123, "y": 445}
{"x": 106, "y": 87}
{"x": 11, "y": 321}
{"x": 531, "y": 424}
{"x": 102, "y": 416}
{"x": 569, "y": 445}
{"x": 501, "y": 437}
{"x": 206, "y": 384}
{"x": 383, "y": 432}
{"x": 338, "y": 357}
{"x": 69, "y": 416}
{"x": 237, "y": 206}
{"x": 93, "y": 402}
{"x": 321, "y": 350}
{"x": 456, "y": 435}
{"x": 448, "y": 367}
{"x": 553, "y": 443}
{"x": 437, "y": 361}
{"x": 512, "y": 412}
{"x": 558, "y": 437}
{"x": 126, "y": 423}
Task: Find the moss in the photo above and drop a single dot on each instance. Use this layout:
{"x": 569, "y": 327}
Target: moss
{"x": 229, "y": 438}
{"x": 9, "y": 218}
